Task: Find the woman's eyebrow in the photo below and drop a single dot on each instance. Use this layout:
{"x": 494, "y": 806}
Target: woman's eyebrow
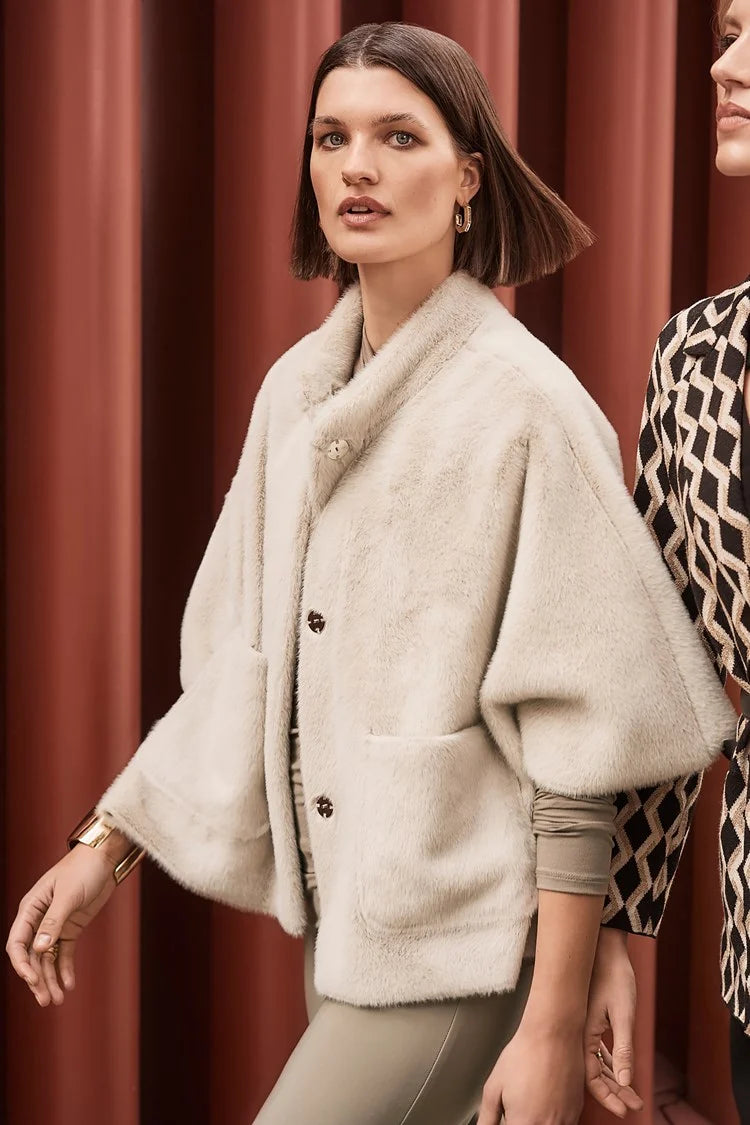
{"x": 382, "y": 119}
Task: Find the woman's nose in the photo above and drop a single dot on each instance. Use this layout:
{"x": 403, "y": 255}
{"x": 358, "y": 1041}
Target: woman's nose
{"x": 732, "y": 68}
{"x": 359, "y": 165}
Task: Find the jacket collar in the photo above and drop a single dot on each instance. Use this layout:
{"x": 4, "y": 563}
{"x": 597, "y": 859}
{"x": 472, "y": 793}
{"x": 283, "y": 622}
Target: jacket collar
{"x": 725, "y": 316}
{"x": 348, "y": 414}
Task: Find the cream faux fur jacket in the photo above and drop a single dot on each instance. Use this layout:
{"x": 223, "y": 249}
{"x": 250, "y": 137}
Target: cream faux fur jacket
{"x": 478, "y": 608}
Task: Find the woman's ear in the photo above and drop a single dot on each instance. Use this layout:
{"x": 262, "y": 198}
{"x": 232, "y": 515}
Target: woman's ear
{"x": 471, "y": 177}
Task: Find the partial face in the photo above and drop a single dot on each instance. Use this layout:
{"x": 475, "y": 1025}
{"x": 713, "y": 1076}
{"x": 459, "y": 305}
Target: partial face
{"x": 379, "y": 143}
{"x": 731, "y": 73}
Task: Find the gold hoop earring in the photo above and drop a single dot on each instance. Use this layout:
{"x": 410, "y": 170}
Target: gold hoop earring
{"x": 463, "y": 221}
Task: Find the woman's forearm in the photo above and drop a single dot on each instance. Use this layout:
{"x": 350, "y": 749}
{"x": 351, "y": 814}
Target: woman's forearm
{"x": 567, "y": 935}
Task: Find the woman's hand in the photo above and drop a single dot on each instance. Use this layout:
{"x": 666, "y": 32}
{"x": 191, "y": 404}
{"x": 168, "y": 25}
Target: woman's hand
{"x": 57, "y": 909}
{"x": 538, "y": 1079}
{"x": 612, "y": 998}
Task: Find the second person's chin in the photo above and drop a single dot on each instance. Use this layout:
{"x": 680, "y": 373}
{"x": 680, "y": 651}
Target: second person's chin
{"x": 733, "y": 158}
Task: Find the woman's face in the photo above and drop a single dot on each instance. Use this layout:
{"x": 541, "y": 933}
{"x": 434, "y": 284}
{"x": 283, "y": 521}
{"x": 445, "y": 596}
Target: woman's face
{"x": 379, "y": 139}
{"x": 731, "y": 73}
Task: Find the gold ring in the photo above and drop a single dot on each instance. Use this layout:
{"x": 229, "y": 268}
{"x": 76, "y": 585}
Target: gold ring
{"x": 53, "y": 951}
{"x": 600, "y": 1056}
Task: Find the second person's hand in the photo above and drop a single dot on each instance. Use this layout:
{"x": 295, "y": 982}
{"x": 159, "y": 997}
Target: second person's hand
{"x": 612, "y": 1001}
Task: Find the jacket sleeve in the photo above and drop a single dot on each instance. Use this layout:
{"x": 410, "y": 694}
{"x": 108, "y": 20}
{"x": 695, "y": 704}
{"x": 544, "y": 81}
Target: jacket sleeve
{"x": 226, "y": 591}
{"x": 223, "y": 676}
{"x": 598, "y": 682}
{"x": 652, "y": 823}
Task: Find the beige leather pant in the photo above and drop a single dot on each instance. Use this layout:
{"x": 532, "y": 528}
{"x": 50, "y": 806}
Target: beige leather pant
{"x": 417, "y": 1064}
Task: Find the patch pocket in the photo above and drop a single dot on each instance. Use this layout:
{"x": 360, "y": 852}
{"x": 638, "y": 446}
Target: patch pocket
{"x": 444, "y": 839}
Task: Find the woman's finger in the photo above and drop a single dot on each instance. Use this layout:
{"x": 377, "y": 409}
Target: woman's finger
{"x": 598, "y": 1085}
{"x": 606, "y": 1055}
{"x": 606, "y": 1097}
{"x": 604, "y": 1087}
{"x": 47, "y": 934}
{"x": 616, "y": 1090}
{"x": 20, "y": 937}
{"x": 61, "y": 907}
{"x": 627, "y": 1093}
{"x": 610, "y": 1084}
{"x": 631, "y": 1099}
{"x": 40, "y": 990}
{"x": 49, "y": 928}
{"x": 622, "y": 1021}
{"x": 607, "y": 1071}
{"x": 66, "y": 963}
{"x": 49, "y": 968}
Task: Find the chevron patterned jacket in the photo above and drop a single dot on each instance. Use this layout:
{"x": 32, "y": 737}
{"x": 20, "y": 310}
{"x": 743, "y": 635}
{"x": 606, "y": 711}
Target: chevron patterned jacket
{"x": 689, "y": 490}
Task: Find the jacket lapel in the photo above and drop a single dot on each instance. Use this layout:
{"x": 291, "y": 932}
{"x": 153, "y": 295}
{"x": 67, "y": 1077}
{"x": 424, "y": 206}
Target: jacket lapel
{"x": 713, "y": 377}
{"x": 709, "y": 404}
{"x": 346, "y": 413}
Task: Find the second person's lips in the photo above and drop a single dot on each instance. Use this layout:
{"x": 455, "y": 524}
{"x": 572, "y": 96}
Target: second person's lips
{"x": 730, "y": 109}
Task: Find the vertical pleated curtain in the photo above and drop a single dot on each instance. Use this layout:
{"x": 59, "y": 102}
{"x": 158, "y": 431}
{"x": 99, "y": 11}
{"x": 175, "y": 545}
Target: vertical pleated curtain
{"x": 149, "y": 162}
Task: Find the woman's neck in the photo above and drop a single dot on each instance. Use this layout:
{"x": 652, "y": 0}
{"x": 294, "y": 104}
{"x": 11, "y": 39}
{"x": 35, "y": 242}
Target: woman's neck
{"x": 392, "y": 291}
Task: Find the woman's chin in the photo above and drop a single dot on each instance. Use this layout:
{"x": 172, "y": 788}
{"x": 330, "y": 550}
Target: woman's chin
{"x": 733, "y": 158}
{"x": 365, "y": 255}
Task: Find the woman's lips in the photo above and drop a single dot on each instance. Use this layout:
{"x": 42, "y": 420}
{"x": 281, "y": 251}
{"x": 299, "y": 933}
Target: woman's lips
{"x": 731, "y": 116}
{"x": 362, "y": 218}
{"x": 727, "y": 124}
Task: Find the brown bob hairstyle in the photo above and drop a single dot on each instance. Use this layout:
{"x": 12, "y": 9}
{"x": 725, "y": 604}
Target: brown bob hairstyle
{"x": 521, "y": 230}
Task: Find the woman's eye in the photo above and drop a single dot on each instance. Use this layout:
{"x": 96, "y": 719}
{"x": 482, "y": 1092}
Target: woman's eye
{"x": 333, "y": 138}
{"x": 403, "y": 140}
{"x": 725, "y": 42}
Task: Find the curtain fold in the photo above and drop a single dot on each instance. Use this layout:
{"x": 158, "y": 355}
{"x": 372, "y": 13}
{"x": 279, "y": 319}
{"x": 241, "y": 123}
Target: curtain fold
{"x": 72, "y": 473}
{"x": 176, "y": 376}
{"x": 150, "y": 163}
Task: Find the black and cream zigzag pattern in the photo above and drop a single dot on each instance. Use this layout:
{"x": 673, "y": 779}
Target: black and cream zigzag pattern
{"x": 689, "y": 490}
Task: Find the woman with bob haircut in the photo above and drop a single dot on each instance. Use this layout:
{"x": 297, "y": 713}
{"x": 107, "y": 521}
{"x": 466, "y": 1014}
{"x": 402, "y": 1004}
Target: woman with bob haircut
{"x": 429, "y": 639}
{"x": 693, "y": 489}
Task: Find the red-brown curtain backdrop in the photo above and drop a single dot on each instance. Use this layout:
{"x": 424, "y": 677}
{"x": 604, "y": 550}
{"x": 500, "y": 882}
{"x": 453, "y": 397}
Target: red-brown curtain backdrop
{"x": 149, "y": 160}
